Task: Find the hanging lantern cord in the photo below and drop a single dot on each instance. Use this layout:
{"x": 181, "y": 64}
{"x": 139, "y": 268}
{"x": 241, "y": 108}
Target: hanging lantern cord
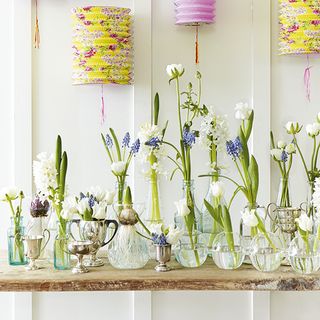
{"x": 36, "y": 29}
{"x": 102, "y": 106}
{"x": 197, "y": 44}
{"x": 307, "y": 80}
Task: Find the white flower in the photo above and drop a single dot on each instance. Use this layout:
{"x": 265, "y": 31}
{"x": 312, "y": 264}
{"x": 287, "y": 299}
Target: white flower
{"x": 174, "y": 70}
{"x": 217, "y": 189}
{"x": 182, "y": 207}
{"x": 109, "y": 196}
{"x": 149, "y": 131}
{"x": 118, "y": 167}
{"x": 44, "y": 172}
{"x": 69, "y": 208}
{"x": 98, "y": 193}
{"x": 243, "y": 111}
{"x": 277, "y": 153}
{"x": 155, "y": 228}
{"x": 293, "y": 127}
{"x": 281, "y": 144}
{"x": 174, "y": 234}
{"x": 313, "y": 129}
{"x": 249, "y": 218}
{"x": 83, "y": 206}
{"x": 305, "y": 223}
{"x": 316, "y": 196}
{"x": 290, "y": 148}
{"x": 99, "y": 211}
{"x": 318, "y": 117}
{"x": 11, "y": 192}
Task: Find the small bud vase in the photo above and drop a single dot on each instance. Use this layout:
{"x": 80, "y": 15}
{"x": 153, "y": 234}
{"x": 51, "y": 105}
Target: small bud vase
{"x": 61, "y": 257}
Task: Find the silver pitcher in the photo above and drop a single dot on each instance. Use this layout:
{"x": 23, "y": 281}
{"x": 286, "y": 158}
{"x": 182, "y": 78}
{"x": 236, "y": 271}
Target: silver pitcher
{"x": 35, "y": 248}
{"x": 96, "y": 232}
{"x": 163, "y": 255}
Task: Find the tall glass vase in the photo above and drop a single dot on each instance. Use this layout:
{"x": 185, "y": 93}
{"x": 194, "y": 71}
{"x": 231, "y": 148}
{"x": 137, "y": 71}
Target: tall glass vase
{"x": 153, "y": 213}
{"x": 208, "y": 226}
{"x": 16, "y": 250}
{"x": 61, "y": 255}
{"x": 119, "y": 190}
{"x": 284, "y": 194}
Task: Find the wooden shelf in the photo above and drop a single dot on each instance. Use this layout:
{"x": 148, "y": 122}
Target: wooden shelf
{"x": 207, "y": 277}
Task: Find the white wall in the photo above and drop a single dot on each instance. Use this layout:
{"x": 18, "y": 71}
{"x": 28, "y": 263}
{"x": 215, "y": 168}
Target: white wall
{"x": 234, "y": 61}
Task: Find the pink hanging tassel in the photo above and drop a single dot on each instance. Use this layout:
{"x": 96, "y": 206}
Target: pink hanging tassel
{"x": 307, "y": 80}
{"x": 102, "y": 106}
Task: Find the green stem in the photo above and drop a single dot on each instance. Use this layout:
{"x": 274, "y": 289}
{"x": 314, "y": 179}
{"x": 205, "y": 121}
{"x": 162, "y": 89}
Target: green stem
{"x": 301, "y": 156}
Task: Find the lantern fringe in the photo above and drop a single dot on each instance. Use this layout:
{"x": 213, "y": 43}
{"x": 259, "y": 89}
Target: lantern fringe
{"x": 197, "y": 44}
{"x": 307, "y": 80}
{"x": 36, "y": 29}
{"x": 102, "y": 106}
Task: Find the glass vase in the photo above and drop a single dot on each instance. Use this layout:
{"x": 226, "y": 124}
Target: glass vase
{"x": 120, "y": 187}
{"x": 284, "y": 194}
{"x": 16, "y": 249}
{"x": 208, "y": 226}
{"x": 310, "y": 208}
{"x": 153, "y": 213}
{"x": 61, "y": 257}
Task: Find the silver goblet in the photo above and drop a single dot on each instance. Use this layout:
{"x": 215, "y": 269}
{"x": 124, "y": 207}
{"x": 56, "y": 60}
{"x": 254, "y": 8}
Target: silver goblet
{"x": 79, "y": 249}
{"x": 163, "y": 255}
{"x": 35, "y": 248}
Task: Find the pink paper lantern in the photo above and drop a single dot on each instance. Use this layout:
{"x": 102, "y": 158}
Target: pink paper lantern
{"x": 195, "y": 13}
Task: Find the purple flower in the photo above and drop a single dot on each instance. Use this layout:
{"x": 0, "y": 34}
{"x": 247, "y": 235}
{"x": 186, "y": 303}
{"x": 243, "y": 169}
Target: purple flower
{"x": 91, "y": 201}
{"x": 153, "y": 142}
{"x": 284, "y": 156}
{"x": 135, "y": 147}
{"x": 109, "y": 141}
{"x": 234, "y": 148}
{"x": 39, "y": 208}
{"x": 188, "y": 138}
{"x": 126, "y": 140}
{"x": 160, "y": 240}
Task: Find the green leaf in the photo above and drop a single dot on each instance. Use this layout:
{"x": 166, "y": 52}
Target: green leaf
{"x": 254, "y": 177}
{"x": 227, "y": 224}
{"x": 164, "y": 129}
{"x": 58, "y": 157}
{"x": 245, "y": 151}
{"x": 272, "y": 140}
{"x": 156, "y": 108}
{"x": 116, "y": 143}
{"x": 63, "y": 175}
{"x": 214, "y": 212}
{"x": 249, "y": 126}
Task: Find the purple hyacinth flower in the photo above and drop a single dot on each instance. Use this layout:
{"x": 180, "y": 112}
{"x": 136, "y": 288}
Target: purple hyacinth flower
{"x": 284, "y": 156}
{"x": 234, "y": 148}
{"x": 135, "y": 147}
{"x": 126, "y": 140}
{"x": 188, "y": 138}
{"x": 91, "y": 201}
{"x": 109, "y": 141}
{"x": 153, "y": 142}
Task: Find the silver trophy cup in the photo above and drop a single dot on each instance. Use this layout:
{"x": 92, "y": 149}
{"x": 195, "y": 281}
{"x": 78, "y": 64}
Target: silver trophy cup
{"x": 163, "y": 255}
{"x": 34, "y": 245}
{"x": 96, "y": 232}
{"x": 79, "y": 249}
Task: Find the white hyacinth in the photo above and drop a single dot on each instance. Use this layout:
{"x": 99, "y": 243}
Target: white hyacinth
{"x": 316, "y": 197}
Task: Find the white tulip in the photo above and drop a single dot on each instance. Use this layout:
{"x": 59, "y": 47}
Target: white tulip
{"x": 182, "y": 207}
{"x": 249, "y": 218}
{"x": 118, "y": 167}
{"x": 313, "y": 129}
{"x": 243, "y": 111}
{"x": 99, "y": 211}
{"x": 174, "y": 234}
{"x": 83, "y": 206}
{"x": 217, "y": 189}
{"x": 281, "y": 144}
{"x": 155, "y": 228}
{"x": 69, "y": 208}
{"x": 293, "y": 127}
{"x": 98, "y": 193}
{"x": 11, "y": 192}
{"x": 109, "y": 198}
{"x": 174, "y": 70}
{"x": 290, "y": 148}
{"x": 305, "y": 223}
{"x": 277, "y": 153}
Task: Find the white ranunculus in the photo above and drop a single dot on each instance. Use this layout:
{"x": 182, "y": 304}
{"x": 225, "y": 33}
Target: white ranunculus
{"x": 99, "y": 211}
{"x": 277, "y": 153}
{"x": 313, "y": 129}
{"x": 118, "y": 167}
{"x": 249, "y": 218}
{"x": 281, "y": 144}
{"x": 305, "y": 223}
{"x": 98, "y": 193}
{"x": 243, "y": 111}
{"x": 174, "y": 70}
{"x": 174, "y": 234}
{"x": 83, "y": 205}
{"x": 292, "y": 127}
{"x": 217, "y": 189}
{"x": 182, "y": 207}
{"x": 11, "y": 192}
{"x": 69, "y": 208}
{"x": 290, "y": 148}
{"x": 109, "y": 198}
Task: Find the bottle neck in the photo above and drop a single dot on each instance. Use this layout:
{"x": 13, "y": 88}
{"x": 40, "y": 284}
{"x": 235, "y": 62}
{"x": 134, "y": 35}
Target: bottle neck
{"x": 187, "y": 187}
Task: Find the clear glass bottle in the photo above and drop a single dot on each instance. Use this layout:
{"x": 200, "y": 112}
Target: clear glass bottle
{"x": 16, "y": 250}
{"x": 120, "y": 187}
{"x": 61, "y": 257}
{"x": 310, "y": 207}
{"x": 284, "y": 194}
{"x": 153, "y": 212}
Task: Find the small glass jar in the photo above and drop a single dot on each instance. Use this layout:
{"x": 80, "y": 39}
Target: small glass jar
{"x": 304, "y": 254}
{"x": 266, "y": 252}
{"x": 227, "y": 251}
{"x": 16, "y": 248}
{"x": 61, "y": 257}
{"x": 191, "y": 256}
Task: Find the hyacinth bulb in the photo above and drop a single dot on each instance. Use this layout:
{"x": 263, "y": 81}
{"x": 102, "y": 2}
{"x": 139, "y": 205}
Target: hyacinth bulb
{"x": 39, "y": 208}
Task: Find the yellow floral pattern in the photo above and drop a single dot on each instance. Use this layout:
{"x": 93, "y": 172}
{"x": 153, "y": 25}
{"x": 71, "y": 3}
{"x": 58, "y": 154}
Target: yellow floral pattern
{"x": 102, "y": 45}
{"x": 299, "y": 26}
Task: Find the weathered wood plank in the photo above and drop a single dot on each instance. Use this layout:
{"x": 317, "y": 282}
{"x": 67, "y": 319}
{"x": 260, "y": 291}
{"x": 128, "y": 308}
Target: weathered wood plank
{"x": 207, "y": 277}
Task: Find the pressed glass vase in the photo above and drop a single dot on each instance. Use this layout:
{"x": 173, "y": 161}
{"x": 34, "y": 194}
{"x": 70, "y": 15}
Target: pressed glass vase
{"x": 61, "y": 257}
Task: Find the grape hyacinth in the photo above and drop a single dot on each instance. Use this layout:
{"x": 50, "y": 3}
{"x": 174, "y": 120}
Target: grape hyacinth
{"x": 189, "y": 138}
{"x": 160, "y": 240}
{"x": 91, "y": 201}
{"x": 126, "y": 140}
{"x": 109, "y": 141}
{"x": 284, "y": 156}
{"x": 135, "y": 147}
{"x": 234, "y": 148}
{"x": 153, "y": 142}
